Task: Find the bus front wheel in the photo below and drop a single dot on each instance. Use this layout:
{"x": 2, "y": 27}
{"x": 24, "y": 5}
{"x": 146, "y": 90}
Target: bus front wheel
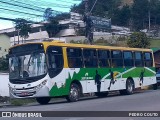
{"x": 43, "y": 100}
{"x": 74, "y": 93}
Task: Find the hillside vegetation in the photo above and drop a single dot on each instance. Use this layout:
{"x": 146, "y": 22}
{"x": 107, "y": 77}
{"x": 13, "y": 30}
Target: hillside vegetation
{"x": 129, "y": 13}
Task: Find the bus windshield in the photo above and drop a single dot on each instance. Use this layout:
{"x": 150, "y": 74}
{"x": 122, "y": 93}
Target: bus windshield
{"x": 27, "y": 65}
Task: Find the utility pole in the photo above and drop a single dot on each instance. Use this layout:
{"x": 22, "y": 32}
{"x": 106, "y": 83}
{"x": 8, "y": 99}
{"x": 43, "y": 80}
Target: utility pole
{"x": 88, "y": 21}
{"x": 149, "y": 17}
{"x": 18, "y": 36}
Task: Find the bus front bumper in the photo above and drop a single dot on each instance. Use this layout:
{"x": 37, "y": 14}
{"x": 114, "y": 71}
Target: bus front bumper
{"x": 29, "y": 92}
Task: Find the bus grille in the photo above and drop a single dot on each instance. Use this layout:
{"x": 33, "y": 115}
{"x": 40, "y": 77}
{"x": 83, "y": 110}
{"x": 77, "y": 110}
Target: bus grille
{"x": 25, "y": 94}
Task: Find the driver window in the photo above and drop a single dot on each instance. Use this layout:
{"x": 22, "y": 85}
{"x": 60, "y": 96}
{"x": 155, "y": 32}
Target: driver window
{"x": 55, "y": 60}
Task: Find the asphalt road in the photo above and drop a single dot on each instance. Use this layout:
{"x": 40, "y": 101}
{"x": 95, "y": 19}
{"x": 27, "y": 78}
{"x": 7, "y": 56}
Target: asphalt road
{"x": 148, "y": 100}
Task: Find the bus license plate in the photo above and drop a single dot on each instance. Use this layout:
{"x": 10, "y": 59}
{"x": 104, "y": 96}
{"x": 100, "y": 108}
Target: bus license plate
{"x": 24, "y": 93}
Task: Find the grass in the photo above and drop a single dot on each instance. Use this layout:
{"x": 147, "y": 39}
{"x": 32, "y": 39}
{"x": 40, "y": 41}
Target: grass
{"x": 20, "y": 102}
{"x": 155, "y": 43}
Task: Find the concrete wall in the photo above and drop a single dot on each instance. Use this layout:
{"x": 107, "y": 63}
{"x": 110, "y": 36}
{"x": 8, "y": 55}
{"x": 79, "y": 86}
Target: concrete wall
{"x": 4, "y": 44}
{"x": 4, "y": 90}
{"x": 82, "y": 38}
{"x": 33, "y": 37}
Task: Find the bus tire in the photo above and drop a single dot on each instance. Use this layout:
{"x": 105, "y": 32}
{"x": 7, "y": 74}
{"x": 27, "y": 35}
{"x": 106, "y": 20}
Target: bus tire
{"x": 155, "y": 86}
{"x": 43, "y": 100}
{"x": 129, "y": 88}
{"x": 74, "y": 93}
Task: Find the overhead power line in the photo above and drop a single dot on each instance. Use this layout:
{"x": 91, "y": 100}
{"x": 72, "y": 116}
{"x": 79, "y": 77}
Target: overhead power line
{"x": 31, "y": 8}
{"x": 43, "y": 2}
{"x": 26, "y": 4}
{"x": 46, "y": 4}
{"x": 93, "y": 6}
{"x": 37, "y": 3}
{"x": 22, "y": 6}
{"x": 10, "y": 19}
{"x": 20, "y": 12}
{"x": 71, "y": 2}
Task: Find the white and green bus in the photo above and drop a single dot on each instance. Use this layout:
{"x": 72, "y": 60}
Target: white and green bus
{"x": 55, "y": 69}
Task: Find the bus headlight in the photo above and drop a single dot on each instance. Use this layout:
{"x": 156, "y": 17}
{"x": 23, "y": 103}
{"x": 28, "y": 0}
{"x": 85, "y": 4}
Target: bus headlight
{"x": 12, "y": 89}
{"x": 40, "y": 85}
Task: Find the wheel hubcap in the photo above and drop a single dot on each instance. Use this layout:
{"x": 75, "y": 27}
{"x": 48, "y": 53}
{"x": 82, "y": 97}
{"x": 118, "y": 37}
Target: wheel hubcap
{"x": 74, "y": 93}
{"x": 130, "y": 87}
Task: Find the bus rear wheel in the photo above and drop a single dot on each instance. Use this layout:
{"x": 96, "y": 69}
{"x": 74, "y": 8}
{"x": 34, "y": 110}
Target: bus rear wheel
{"x": 129, "y": 88}
{"x": 43, "y": 100}
{"x": 74, "y": 93}
{"x": 155, "y": 86}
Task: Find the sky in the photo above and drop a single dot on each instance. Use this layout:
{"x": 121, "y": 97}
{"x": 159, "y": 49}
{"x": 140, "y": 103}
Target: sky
{"x": 61, "y": 5}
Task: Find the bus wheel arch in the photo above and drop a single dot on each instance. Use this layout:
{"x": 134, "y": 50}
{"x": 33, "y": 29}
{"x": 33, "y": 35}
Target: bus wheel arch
{"x": 130, "y": 86}
{"x": 43, "y": 100}
{"x": 75, "y": 91}
{"x": 79, "y": 85}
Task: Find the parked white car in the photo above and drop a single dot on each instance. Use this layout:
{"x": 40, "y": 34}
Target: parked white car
{"x": 158, "y": 77}
{"x": 155, "y": 86}
{"x": 122, "y": 33}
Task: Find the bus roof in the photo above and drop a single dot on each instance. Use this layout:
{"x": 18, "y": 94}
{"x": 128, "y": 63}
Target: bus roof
{"x": 46, "y": 44}
{"x": 60, "y": 43}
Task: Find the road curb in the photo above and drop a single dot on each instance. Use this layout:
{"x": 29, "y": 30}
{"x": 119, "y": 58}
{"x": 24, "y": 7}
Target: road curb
{"x": 146, "y": 87}
{"x": 4, "y": 105}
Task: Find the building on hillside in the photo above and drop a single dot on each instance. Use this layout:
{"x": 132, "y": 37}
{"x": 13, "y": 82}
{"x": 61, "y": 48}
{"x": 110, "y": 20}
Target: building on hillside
{"x": 101, "y": 26}
{"x": 71, "y": 25}
{"x": 102, "y": 29}
{"x": 38, "y": 33}
{"x": 4, "y": 45}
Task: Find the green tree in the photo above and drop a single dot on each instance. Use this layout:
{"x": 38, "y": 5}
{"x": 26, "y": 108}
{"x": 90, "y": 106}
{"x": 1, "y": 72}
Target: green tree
{"x": 78, "y": 8}
{"x": 154, "y": 7}
{"x": 132, "y": 15}
{"x": 103, "y": 8}
{"x": 140, "y": 10}
{"x": 51, "y": 25}
{"x": 23, "y": 27}
{"x": 62, "y": 16}
{"x": 48, "y": 14}
{"x": 138, "y": 40}
{"x": 140, "y": 13}
{"x": 124, "y": 16}
{"x": 4, "y": 64}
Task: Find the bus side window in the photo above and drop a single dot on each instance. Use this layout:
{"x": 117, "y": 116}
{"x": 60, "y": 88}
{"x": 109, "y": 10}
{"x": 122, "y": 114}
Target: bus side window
{"x": 90, "y": 58}
{"x": 128, "y": 59}
{"x": 148, "y": 60}
{"x": 138, "y": 56}
{"x": 117, "y": 60}
{"x": 74, "y": 57}
{"x": 55, "y": 60}
{"x": 103, "y": 58}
